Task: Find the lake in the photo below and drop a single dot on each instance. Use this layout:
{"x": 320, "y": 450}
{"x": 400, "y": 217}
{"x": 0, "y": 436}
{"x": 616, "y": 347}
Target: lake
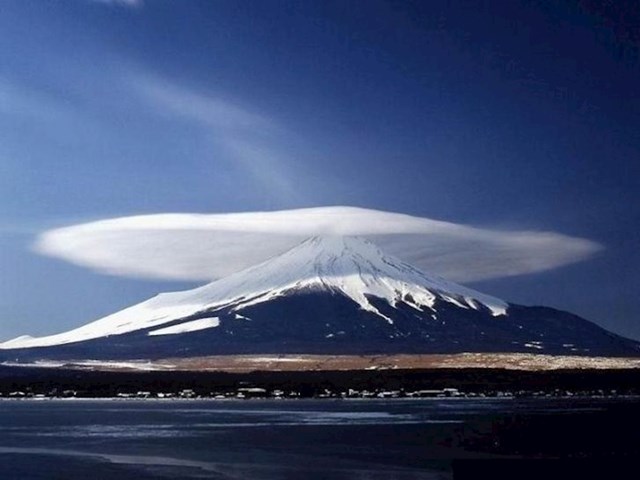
{"x": 309, "y": 439}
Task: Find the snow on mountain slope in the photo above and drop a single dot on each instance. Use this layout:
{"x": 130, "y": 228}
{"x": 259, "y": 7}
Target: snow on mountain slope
{"x": 349, "y": 266}
{"x": 185, "y": 327}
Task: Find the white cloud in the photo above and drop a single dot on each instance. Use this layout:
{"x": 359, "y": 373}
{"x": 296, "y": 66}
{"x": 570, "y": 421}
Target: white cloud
{"x": 212, "y": 111}
{"x": 210, "y": 246}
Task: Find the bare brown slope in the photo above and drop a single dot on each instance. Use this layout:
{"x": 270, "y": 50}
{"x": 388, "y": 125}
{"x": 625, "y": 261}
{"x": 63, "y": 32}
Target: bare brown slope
{"x": 314, "y": 363}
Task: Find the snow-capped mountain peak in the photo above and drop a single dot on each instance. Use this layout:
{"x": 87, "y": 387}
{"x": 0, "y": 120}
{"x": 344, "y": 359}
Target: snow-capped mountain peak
{"x": 348, "y": 266}
{"x": 358, "y": 269}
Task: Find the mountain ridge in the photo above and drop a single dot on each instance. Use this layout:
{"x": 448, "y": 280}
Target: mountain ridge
{"x": 329, "y": 294}
{"x": 348, "y": 265}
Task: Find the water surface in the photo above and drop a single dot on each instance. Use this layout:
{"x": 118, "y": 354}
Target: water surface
{"x": 311, "y": 439}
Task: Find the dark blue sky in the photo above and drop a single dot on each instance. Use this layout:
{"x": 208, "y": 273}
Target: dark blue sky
{"x": 513, "y": 114}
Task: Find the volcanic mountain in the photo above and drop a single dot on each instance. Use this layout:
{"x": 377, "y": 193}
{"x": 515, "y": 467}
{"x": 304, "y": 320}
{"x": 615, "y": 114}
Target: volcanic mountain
{"x": 327, "y": 296}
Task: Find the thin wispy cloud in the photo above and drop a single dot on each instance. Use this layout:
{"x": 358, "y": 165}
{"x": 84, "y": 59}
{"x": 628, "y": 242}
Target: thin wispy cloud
{"x": 264, "y": 164}
{"x": 121, "y": 3}
{"x": 250, "y": 139}
{"x": 209, "y": 110}
{"x": 206, "y": 247}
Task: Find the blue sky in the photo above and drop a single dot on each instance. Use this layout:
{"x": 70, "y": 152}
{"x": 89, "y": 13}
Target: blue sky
{"x": 512, "y": 115}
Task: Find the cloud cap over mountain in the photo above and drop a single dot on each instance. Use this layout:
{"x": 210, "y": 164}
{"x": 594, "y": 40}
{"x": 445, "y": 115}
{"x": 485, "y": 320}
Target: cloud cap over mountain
{"x": 204, "y": 247}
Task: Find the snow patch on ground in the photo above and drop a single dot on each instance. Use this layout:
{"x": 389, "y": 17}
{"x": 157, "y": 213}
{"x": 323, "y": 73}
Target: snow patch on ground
{"x": 145, "y": 365}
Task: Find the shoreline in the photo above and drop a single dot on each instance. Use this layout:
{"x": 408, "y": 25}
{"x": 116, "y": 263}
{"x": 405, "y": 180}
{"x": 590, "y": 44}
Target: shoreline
{"x": 462, "y": 398}
{"x": 315, "y": 363}
{"x": 29, "y": 381}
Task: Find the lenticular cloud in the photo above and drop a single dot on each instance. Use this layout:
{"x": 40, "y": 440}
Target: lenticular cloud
{"x": 207, "y": 247}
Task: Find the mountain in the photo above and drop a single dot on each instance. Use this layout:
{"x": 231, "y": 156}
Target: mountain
{"x": 328, "y": 295}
